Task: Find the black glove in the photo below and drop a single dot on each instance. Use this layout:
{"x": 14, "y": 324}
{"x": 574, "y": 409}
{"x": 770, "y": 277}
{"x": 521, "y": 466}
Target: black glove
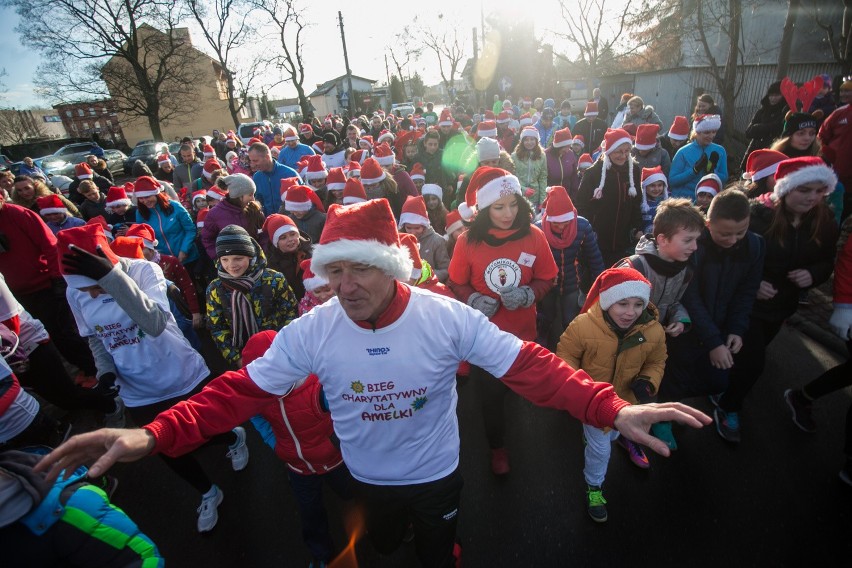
{"x": 701, "y": 164}
{"x": 86, "y": 264}
{"x": 643, "y": 390}
{"x": 57, "y": 287}
{"x": 106, "y": 384}
{"x": 711, "y": 164}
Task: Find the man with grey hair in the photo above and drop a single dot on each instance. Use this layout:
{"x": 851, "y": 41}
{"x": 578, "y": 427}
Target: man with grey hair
{"x": 268, "y": 174}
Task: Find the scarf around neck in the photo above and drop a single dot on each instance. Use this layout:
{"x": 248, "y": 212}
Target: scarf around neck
{"x": 560, "y": 240}
{"x": 243, "y": 322}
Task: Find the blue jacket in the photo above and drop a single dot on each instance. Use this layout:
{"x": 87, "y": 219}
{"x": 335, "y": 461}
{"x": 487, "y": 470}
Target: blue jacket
{"x": 723, "y": 288}
{"x": 682, "y": 180}
{"x": 175, "y": 233}
{"x": 544, "y": 134}
{"x": 561, "y": 122}
{"x": 291, "y": 156}
{"x": 585, "y": 250}
{"x": 269, "y": 186}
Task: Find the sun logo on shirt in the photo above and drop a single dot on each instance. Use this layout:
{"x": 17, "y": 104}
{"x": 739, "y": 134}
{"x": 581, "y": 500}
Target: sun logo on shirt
{"x": 419, "y": 402}
{"x": 357, "y": 386}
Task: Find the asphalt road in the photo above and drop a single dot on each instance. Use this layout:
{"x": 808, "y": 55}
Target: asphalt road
{"x": 774, "y": 500}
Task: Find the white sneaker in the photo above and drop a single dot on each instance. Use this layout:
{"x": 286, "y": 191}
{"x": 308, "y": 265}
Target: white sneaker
{"x": 238, "y": 451}
{"x": 115, "y": 419}
{"x": 208, "y": 514}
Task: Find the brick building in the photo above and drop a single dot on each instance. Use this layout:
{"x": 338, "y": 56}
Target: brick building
{"x": 83, "y": 119}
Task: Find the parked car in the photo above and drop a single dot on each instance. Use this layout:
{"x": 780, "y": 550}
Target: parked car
{"x": 5, "y": 162}
{"x": 115, "y": 160}
{"x": 147, "y": 153}
{"x": 246, "y": 130}
{"x": 174, "y": 148}
{"x": 52, "y": 165}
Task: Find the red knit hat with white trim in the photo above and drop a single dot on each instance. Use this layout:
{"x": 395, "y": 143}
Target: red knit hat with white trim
{"x": 486, "y": 186}
{"x": 454, "y": 221}
{"x": 646, "y": 136}
{"x": 372, "y": 172}
{"x": 163, "y": 159}
{"x": 128, "y": 247}
{"x": 798, "y": 171}
{"x": 89, "y": 237}
{"x": 362, "y": 233}
{"x": 50, "y": 204}
{"x": 385, "y": 136}
{"x": 679, "y": 129}
{"x": 711, "y": 183}
{"x": 414, "y": 212}
{"x": 146, "y": 186}
{"x": 336, "y": 179}
{"x": 210, "y": 166}
{"x": 707, "y": 122}
{"x": 579, "y": 139}
{"x": 762, "y": 163}
{"x": 383, "y": 154}
{"x": 562, "y": 138}
{"x": 616, "y": 284}
{"x": 217, "y": 193}
{"x": 302, "y": 198}
{"x": 526, "y": 120}
{"x": 354, "y": 191}
{"x": 413, "y": 245}
{"x": 202, "y": 214}
{"x": 487, "y": 129}
{"x": 432, "y": 189}
{"x": 585, "y": 162}
{"x": 146, "y": 232}
{"x": 417, "y": 172}
{"x": 591, "y": 109}
{"x": 278, "y": 225}
{"x": 446, "y": 118}
{"x": 290, "y": 135}
{"x": 309, "y": 279}
{"x": 353, "y": 169}
{"x": 116, "y": 197}
{"x": 558, "y": 207}
{"x": 316, "y": 168}
{"x": 83, "y": 171}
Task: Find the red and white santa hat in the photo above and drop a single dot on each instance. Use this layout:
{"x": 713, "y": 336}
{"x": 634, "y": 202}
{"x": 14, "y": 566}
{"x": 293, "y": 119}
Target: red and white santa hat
{"x": 432, "y": 189}
{"x": 562, "y": 138}
{"x": 163, "y": 159}
{"x": 146, "y": 232}
{"x": 210, "y": 166}
{"x": 417, "y": 172}
{"x": 616, "y": 284}
{"x": 711, "y": 183}
{"x": 362, "y": 233}
{"x": 116, "y": 197}
{"x": 372, "y": 172}
{"x": 454, "y": 221}
{"x": 526, "y": 120}
{"x": 89, "y": 237}
{"x": 202, "y": 214}
{"x": 309, "y": 279}
{"x": 558, "y": 207}
{"x": 385, "y": 136}
{"x": 489, "y": 115}
{"x": 414, "y": 212}
{"x": 318, "y": 146}
{"x": 486, "y": 129}
{"x": 50, "y": 204}
{"x": 354, "y": 191}
{"x": 278, "y": 225}
{"x": 585, "y": 162}
{"x": 615, "y": 138}
{"x": 336, "y": 179}
{"x": 316, "y": 168}
{"x": 504, "y": 118}
{"x": 486, "y": 186}
{"x": 83, "y": 171}
{"x": 306, "y": 129}
{"x": 798, "y": 171}
{"x": 591, "y": 109}
{"x": 101, "y": 220}
{"x": 446, "y": 118}
{"x": 217, "y": 193}
{"x": 762, "y": 164}
{"x": 653, "y": 175}
{"x": 646, "y": 136}
{"x": 365, "y": 142}
{"x": 290, "y": 135}
{"x": 707, "y": 122}
{"x": 358, "y": 156}
{"x": 353, "y": 169}
{"x": 530, "y": 132}
{"x": 302, "y": 198}
{"x": 207, "y": 151}
{"x": 679, "y": 129}
{"x": 579, "y": 139}
{"x": 413, "y": 245}
{"x": 128, "y": 247}
{"x": 146, "y": 186}
{"x": 199, "y": 194}
{"x": 383, "y": 154}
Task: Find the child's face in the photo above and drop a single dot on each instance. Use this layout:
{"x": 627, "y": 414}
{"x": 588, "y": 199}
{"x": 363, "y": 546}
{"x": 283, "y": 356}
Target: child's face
{"x": 680, "y": 246}
{"x": 288, "y": 242}
{"x": 323, "y": 293}
{"x": 626, "y": 312}
{"x": 727, "y": 232}
{"x": 655, "y": 189}
{"x": 410, "y": 151}
{"x": 318, "y": 184}
{"x": 55, "y": 218}
{"x": 578, "y": 148}
{"x": 235, "y": 264}
{"x": 415, "y": 230}
{"x": 419, "y": 183}
{"x": 92, "y": 194}
{"x": 298, "y": 214}
{"x": 120, "y": 209}
{"x": 432, "y": 202}
{"x": 530, "y": 142}
{"x": 200, "y": 203}
{"x": 703, "y": 199}
{"x": 149, "y": 253}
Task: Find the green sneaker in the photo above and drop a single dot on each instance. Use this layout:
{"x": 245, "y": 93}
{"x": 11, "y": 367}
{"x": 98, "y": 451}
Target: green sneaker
{"x": 663, "y": 431}
{"x": 597, "y": 503}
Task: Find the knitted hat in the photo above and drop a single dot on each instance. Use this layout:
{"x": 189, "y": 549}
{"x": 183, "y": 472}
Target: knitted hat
{"x": 146, "y": 233}
{"x": 762, "y": 163}
{"x": 354, "y": 191}
{"x": 646, "y": 136}
{"x": 163, "y": 159}
{"x": 530, "y": 132}
{"x": 101, "y": 220}
{"x": 353, "y": 170}
{"x": 363, "y": 233}
{"x": 454, "y": 221}
{"x": 83, "y": 171}
{"x": 277, "y": 225}
{"x": 207, "y": 151}
{"x": 487, "y": 149}
{"x": 558, "y": 206}
{"x": 239, "y": 185}
{"x": 414, "y": 212}
{"x": 286, "y": 184}
{"x": 707, "y": 123}
{"x": 579, "y": 139}
{"x": 486, "y": 186}
{"x": 585, "y": 162}
{"x": 410, "y": 242}
{"x": 277, "y": 130}
{"x": 290, "y": 135}
{"x": 302, "y": 198}
{"x": 616, "y": 284}
{"x": 89, "y": 237}
{"x": 257, "y": 345}
{"x": 432, "y": 189}
{"x": 309, "y": 279}
{"x": 486, "y": 128}
{"x": 417, "y": 172}
{"x": 336, "y": 179}
{"x": 316, "y": 168}
{"x": 526, "y": 120}
{"x": 202, "y": 215}
{"x": 50, "y": 204}
{"x": 798, "y": 171}
{"x": 372, "y": 172}
{"x": 216, "y": 193}
{"x": 711, "y": 183}
{"x": 679, "y": 129}
{"x": 234, "y": 240}
{"x": 562, "y": 138}
{"x": 128, "y": 247}
{"x": 383, "y": 154}
{"x": 331, "y": 140}
{"x": 591, "y": 109}
{"x": 446, "y": 118}
{"x": 116, "y": 197}
{"x": 795, "y": 121}
{"x": 146, "y": 186}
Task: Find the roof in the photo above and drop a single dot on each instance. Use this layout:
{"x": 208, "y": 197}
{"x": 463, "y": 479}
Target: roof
{"x": 324, "y": 88}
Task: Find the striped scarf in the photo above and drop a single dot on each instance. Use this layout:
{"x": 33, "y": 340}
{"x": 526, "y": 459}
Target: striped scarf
{"x": 243, "y": 322}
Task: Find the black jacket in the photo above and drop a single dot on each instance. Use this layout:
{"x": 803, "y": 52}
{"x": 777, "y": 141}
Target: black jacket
{"x": 765, "y": 126}
{"x": 615, "y": 216}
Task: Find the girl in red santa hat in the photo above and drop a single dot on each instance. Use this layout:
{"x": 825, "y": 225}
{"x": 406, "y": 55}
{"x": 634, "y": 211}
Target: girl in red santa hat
{"x": 287, "y": 248}
{"x": 501, "y": 266}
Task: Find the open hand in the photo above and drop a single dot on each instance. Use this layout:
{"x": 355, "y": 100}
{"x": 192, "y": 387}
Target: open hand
{"x": 634, "y": 421}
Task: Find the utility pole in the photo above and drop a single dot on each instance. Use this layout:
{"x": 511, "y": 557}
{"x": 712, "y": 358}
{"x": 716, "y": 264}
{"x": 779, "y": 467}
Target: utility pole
{"x": 476, "y": 92}
{"x": 346, "y": 60}
{"x": 387, "y": 72}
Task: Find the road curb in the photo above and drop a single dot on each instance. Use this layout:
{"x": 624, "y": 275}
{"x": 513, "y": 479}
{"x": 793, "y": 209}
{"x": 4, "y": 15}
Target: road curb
{"x": 820, "y": 334}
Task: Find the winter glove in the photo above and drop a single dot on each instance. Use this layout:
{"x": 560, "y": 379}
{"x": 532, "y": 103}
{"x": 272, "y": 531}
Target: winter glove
{"x": 711, "y": 164}
{"x": 841, "y": 322}
{"x": 514, "y": 298}
{"x": 485, "y": 304}
{"x": 643, "y": 390}
{"x": 87, "y": 264}
{"x": 106, "y": 384}
{"x": 700, "y": 165}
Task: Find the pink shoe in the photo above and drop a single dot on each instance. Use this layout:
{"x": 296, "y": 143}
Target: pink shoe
{"x": 637, "y": 456}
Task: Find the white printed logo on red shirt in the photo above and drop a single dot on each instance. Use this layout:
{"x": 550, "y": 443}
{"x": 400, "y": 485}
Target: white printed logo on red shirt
{"x": 502, "y": 272}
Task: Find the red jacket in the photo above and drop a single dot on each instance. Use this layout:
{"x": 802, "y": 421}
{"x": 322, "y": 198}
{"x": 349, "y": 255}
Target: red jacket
{"x": 843, "y": 272}
{"x": 173, "y": 270}
{"x": 31, "y": 259}
{"x": 9, "y": 389}
{"x": 836, "y": 137}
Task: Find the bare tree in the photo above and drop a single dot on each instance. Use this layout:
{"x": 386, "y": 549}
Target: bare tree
{"x": 403, "y": 53}
{"x": 838, "y": 30}
{"x": 793, "y": 9}
{"x": 19, "y": 127}
{"x": 448, "y": 49}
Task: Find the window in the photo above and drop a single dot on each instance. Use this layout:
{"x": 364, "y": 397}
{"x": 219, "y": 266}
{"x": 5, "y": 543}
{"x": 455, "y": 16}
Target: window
{"x": 91, "y": 111}
{"x": 80, "y": 112}
{"x": 69, "y": 114}
{"x": 97, "y": 125}
{"x": 85, "y": 126}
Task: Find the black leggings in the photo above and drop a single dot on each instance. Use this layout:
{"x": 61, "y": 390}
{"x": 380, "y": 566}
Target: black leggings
{"x": 492, "y": 396}
{"x": 749, "y": 362}
{"x": 832, "y": 380}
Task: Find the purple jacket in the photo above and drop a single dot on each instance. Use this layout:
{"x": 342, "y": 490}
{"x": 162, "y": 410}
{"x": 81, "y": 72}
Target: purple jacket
{"x": 220, "y": 216}
{"x": 563, "y": 171}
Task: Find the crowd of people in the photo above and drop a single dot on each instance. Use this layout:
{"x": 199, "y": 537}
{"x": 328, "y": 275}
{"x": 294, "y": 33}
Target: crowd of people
{"x": 597, "y": 265}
